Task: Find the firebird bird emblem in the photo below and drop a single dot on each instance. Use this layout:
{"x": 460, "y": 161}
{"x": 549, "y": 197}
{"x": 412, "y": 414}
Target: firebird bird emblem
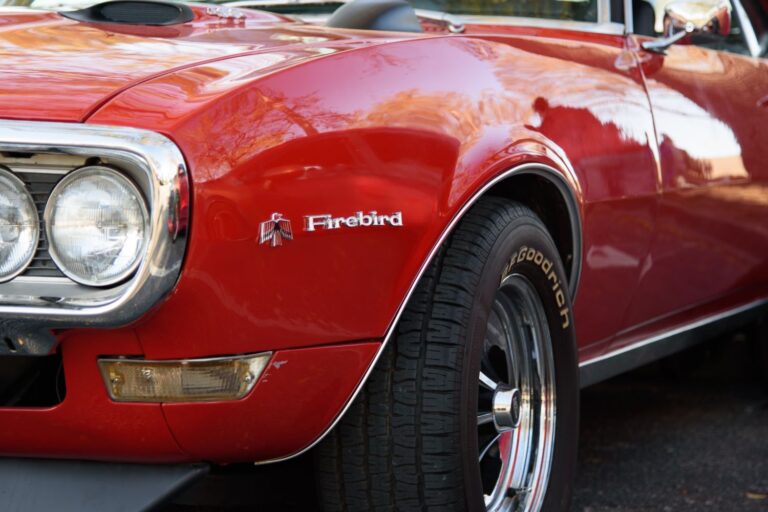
{"x": 276, "y": 229}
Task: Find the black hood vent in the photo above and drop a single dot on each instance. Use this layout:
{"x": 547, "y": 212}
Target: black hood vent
{"x": 134, "y": 12}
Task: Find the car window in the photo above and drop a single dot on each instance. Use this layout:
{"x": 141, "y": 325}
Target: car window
{"x": 569, "y": 10}
{"x": 579, "y": 10}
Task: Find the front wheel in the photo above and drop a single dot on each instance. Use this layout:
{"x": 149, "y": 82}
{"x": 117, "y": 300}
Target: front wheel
{"x": 474, "y": 403}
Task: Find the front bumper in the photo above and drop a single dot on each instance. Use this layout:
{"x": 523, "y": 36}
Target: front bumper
{"x": 297, "y": 397}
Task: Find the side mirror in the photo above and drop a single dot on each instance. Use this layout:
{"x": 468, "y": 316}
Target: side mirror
{"x": 685, "y": 18}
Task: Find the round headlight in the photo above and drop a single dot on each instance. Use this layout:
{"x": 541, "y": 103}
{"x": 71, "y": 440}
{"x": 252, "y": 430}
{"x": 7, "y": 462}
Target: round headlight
{"x": 97, "y": 226}
{"x": 19, "y": 227}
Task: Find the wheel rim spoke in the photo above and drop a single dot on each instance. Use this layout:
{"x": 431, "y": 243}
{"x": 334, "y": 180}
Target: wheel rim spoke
{"x": 489, "y": 446}
{"x": 516, "y": 473}
{"x": 488, "y": 382}
{"x": 510, "y": 343}
{"x": 484, "y": 418}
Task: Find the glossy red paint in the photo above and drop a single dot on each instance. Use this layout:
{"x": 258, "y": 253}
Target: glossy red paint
{"x": 281, "y": 117}
{"x": 87, "y": 424}
{"x": 306, "y": 143}
{"x": 297, "y": 397}
{"x": 708, "y": 243}
{"x": 63, "y": 69}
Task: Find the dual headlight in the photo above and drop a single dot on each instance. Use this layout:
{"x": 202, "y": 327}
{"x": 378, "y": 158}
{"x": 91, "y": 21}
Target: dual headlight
{"x": 19, "y": 228}
{"x": 96, "y": 222}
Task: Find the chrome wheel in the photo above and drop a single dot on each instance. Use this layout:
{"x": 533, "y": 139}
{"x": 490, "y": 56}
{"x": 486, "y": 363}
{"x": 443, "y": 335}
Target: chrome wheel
{"x": 516, "y": 400}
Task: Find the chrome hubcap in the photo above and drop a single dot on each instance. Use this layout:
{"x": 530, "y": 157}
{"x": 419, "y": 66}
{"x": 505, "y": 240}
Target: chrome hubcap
{"x": 516, "y": 400}
{"x": 506, "y": 407}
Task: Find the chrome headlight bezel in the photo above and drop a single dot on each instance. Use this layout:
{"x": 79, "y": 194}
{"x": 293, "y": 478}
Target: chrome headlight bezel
{"x": 6, "y": 174}
{"x": 59, "y": 189}
{"x": 157, "y": 167}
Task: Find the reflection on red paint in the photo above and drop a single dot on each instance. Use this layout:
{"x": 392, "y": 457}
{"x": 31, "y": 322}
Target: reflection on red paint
{"x": 665, "y": 156}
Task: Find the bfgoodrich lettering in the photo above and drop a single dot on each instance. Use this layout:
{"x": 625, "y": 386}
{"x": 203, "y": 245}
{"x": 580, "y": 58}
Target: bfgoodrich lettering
{"x": 537, "y": 258}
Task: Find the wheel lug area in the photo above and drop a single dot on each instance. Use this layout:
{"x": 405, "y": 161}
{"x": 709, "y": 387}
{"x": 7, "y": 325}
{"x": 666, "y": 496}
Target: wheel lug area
{"x": 506, "y": 408}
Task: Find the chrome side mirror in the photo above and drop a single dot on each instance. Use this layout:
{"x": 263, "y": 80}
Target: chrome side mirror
{"x": 684, "y": 18}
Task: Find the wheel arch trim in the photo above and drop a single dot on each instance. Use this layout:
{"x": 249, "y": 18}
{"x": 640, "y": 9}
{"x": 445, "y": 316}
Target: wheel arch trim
{"x": 569, "y": 197}
{"x": 538, "y": 169}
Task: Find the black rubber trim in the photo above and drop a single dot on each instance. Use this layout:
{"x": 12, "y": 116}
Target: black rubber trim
{"x": 667, "y": 344}
{"x": 79, "y": 486}
{"x": 134, "y": 12}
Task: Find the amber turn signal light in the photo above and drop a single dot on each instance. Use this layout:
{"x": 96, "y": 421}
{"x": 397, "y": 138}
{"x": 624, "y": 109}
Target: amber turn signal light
{"x": 184, "y": 380}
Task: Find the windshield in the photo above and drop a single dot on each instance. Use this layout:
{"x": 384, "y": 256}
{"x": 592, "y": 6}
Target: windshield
{"x": 578, "y": 10}
{"x": 574, "y": 10}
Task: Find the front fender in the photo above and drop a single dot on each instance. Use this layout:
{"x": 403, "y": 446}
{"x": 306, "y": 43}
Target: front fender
{"x": 420, "y": 127}
{"x": 406, "y": 133}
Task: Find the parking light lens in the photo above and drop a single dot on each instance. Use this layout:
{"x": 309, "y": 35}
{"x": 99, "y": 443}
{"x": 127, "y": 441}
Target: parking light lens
{"x": 190, "y": 380}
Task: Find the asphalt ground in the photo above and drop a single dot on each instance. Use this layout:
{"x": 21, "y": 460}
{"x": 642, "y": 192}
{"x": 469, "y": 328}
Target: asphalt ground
{"x": 689, "y": 433}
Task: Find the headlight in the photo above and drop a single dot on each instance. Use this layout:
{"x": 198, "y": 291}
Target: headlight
{"x": 97, "y": 226}
{"x": 19, "y": 227}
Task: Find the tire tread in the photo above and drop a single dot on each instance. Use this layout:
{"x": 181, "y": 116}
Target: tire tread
{"x": 401, "y": 454}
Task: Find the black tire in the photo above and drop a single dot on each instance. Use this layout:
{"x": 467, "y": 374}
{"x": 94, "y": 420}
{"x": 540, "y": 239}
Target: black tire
{"x": 759, "y": 339}
{"x": 410, "y": 439}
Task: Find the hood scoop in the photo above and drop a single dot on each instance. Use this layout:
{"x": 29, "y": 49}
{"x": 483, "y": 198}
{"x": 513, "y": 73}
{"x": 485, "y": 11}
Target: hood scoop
{"x": 134, "y": 12}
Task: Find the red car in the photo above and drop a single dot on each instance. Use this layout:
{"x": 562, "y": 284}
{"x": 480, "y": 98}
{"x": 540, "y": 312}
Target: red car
{"x": 401, "y": 238}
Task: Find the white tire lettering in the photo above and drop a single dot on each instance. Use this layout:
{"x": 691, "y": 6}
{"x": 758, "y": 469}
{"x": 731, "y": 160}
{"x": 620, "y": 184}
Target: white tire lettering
{"x": 537, "y": 258}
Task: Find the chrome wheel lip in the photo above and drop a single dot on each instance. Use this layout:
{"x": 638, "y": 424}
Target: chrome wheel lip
{"x": 524, "y": 446}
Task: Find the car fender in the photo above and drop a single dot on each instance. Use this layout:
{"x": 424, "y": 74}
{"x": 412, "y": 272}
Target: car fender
{"x": 422, "y": 128}
{"x": 280, "y": 145}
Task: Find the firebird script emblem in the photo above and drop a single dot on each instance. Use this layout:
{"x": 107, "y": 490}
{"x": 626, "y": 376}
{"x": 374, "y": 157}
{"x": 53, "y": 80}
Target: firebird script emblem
{"x": 276, "y": 229}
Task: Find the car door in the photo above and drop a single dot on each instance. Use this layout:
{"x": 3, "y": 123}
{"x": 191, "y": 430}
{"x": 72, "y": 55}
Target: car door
{"x": 586, "y": 95}
{"x": 710, "y": 107}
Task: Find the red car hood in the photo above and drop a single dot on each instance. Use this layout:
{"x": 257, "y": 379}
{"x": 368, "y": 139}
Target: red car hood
{"x": 57, "y": 69}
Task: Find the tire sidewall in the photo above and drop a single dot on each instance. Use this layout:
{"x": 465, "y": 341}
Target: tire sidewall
{"x": 524, "y": 247}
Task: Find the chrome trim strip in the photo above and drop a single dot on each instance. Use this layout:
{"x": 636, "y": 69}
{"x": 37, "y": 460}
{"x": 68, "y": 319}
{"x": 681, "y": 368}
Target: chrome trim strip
{"x": 748, "y": 29}
{"x": 33, "y": 170}
{"x": 629, "y": 18}
{"x": 603, "y": 11}
{"x": 579, "y": 26}
{"x": 159, "y": 167}
{"x": 645, "y": 351}
{"x": 573, "y": 210}
{"x": 43, "y": 280}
